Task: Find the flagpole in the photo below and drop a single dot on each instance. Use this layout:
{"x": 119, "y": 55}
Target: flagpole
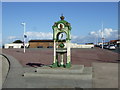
{"x": 102, "y": 35}
{"x": 24, "y": 36}
{"x": 24, "y": 26}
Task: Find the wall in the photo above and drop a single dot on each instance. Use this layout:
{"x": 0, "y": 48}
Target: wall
{"x": 15, "y": 45}
{"x": 36, "y": 44}
{"x": 46, "y": 44}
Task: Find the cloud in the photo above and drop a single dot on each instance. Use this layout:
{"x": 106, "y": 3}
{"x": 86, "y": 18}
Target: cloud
{"x": 39, "y": 35}
{"x": 11, "y": 37}
{"x": 74, "y": 36}
{"x": 94, "y": 36}
{"x": 109, "y": 34}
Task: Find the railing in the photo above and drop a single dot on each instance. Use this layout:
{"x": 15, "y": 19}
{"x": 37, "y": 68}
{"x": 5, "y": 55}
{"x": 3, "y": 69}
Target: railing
{"x": 61, "y": 50}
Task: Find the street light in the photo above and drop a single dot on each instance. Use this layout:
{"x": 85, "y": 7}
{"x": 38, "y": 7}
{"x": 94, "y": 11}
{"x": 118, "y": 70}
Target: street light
{"x": 24, "y": 36}
{"x": 102, "y": 36}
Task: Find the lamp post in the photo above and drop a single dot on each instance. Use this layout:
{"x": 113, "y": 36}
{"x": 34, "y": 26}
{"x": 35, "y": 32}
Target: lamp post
{"x": 102, "y": 36}
{"x": 24, "y": 26}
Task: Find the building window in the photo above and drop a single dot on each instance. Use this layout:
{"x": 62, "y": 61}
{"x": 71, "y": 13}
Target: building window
{"x": 50, "y": 47}
{"x": 10, "y": 46}
{"x": 39, "y": 46}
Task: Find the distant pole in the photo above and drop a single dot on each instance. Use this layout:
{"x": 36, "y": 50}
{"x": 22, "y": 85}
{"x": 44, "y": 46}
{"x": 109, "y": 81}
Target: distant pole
{"x": 24, "y": 26}
{"x": 97, "y": 39}
{"x": 102, "y": 36}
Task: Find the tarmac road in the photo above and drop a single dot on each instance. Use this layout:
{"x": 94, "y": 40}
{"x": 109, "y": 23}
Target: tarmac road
{"x": 41, "y": 56}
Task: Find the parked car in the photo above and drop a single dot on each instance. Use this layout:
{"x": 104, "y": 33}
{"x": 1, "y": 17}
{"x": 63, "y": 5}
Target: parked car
{"x": 100, "y": 46}
{"x": 106, "y": 46}
{"x": 112, "y": 47}
{"x": 96, "y": 45}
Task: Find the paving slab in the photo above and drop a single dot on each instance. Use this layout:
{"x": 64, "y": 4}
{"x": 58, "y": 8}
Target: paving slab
{"x": 75, "y": 69}
{"x": 105, "y": 75}
{"x": 43, "y": 82}
{"x": 75, "y": 72}
{"x": 58, "y": 78}
{"x": 16, "y": 80}
{"x": 4, "y": 68}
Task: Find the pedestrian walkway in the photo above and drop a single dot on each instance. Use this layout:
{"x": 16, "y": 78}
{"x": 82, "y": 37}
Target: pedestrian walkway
{"x": 104, "y": 75}
{"x": 5, "y": 68}
{"x": 76, "y": 76}
{"x": 15, "y": 78}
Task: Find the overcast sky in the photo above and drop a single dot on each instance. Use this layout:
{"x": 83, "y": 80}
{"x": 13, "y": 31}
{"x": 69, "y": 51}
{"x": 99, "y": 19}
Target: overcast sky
{"x": 85, "y": 17}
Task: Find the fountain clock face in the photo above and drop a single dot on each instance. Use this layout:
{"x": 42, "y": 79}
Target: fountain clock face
{"x": 61, "y": 26}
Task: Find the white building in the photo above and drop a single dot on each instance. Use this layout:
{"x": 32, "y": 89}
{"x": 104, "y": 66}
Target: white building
{"x": 75, "y": 45}
{"x": 16, "y": 45}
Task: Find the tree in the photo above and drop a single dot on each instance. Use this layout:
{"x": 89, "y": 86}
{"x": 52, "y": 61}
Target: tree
{"x": 17, "y": 41}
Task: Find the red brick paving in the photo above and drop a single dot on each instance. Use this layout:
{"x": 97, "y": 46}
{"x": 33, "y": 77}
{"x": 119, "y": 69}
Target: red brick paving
{"x": 79, "y": 56}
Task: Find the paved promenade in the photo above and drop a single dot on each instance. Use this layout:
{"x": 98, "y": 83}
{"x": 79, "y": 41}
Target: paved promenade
{"x": 105, "y": 69}
{"x": 36, "y": 57}
{"x": 105, "y": 75}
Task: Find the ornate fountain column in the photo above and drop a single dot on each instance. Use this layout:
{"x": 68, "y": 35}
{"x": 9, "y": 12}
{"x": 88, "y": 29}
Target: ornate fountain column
{"x": 60, "y": 50}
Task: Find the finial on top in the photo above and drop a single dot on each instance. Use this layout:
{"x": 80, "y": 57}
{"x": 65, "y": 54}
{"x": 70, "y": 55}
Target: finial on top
{"x": 62, "y": 17}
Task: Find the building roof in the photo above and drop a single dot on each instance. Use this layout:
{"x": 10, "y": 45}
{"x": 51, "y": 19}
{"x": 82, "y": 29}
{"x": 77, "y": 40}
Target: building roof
{"x": 45, "y": 40}
{"x": 41, "y": 41}
{"x": 113, "y": 41}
